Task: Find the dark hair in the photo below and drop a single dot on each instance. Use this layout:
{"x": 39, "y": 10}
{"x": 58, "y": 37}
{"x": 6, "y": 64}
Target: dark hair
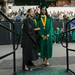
{"x": 28, "y": 12}
{"x": 42, "y": 13}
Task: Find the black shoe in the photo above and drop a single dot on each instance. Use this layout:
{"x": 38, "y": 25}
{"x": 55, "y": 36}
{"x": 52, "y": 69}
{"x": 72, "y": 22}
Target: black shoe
{"x": 30, "y": 63}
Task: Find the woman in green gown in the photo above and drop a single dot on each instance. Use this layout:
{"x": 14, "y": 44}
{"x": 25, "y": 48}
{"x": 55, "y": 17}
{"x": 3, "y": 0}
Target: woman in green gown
{"x": 47, "y": 35}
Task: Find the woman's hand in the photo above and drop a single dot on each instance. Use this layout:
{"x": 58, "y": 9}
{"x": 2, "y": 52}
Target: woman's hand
{"x": 45, "y": 37}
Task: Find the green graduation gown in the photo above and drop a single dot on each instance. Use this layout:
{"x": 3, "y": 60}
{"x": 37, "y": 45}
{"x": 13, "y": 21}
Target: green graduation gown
{"x": 46, "y": 45}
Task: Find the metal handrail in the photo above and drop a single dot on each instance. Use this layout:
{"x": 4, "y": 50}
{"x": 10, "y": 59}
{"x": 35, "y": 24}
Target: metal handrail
{"x": 6, "y": 55}
{"x": 13, "y": 40}
{"x": 67, "y": 49}
{"x": 1, "y": 25}
{"x": 13, "y": 33}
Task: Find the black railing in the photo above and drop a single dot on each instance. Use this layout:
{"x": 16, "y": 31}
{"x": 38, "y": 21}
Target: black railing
{"x": 7, "y": 33}
{"x": 13, "y": 40}
{"x": 14, "y": 47}
{"x": 66, "y": 46}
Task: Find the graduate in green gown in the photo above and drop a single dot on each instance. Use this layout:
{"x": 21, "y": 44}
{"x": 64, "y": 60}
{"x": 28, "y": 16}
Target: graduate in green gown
{"x": 58, "y": 35}
{"x": 47, "y": 35}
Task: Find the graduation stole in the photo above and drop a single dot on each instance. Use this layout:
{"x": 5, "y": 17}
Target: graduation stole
{"x": 35, "y": 22}
{"x": 43, "y": 19}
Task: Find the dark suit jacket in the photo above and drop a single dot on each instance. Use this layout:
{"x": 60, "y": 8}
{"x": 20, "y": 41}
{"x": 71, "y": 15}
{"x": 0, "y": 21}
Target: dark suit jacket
{"x": 28, "y": 34}
{"x": 28, "y": 39}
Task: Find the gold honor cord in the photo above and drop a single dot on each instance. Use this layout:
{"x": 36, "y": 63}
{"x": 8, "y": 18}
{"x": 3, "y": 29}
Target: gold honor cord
{"x": 43, "y": 21}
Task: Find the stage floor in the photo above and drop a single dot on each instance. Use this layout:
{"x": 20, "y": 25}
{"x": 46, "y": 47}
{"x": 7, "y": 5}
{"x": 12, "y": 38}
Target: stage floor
{"x": 46, "y": 71}
{"x": 57, "y": 62}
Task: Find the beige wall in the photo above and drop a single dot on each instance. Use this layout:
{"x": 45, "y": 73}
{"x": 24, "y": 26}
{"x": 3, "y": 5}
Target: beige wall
{"x": 62, "y": 3}
{"x": 72, "y": 3}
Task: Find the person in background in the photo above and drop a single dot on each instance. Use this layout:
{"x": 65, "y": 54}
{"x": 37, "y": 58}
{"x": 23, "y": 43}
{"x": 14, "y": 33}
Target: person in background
{"x": 18, "y": 18}
{"x": 36, "y": 29}
{"x": 65, "y": 20}
{"x": 46, "y": 33}
{"x": 27, "y": 43}
{"x": 58, "y": 35}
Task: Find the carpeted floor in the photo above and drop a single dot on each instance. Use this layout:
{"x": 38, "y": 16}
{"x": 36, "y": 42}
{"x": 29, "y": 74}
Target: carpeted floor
{"x": 46, "y": 71}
